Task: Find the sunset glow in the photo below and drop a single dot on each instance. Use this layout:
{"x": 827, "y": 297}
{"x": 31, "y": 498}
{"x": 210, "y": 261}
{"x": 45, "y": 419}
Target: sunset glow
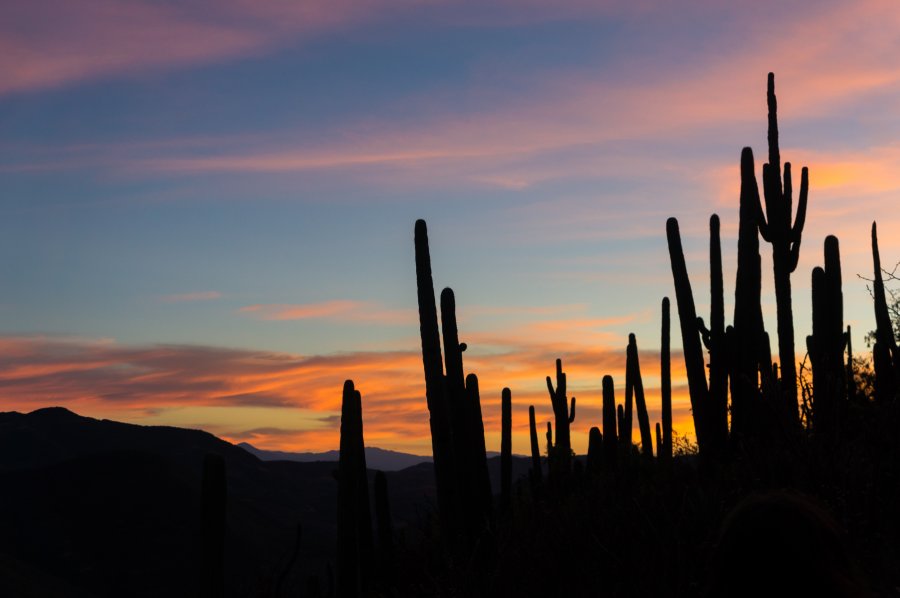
{"x": 207, "y": 208}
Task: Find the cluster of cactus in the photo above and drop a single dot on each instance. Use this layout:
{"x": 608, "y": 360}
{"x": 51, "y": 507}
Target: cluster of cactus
{"x": 454, "y": 404}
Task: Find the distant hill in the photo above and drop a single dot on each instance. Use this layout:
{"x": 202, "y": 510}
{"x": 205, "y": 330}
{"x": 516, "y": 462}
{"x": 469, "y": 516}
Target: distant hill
{"x": 106, "y": 509}
{"x": 376, "y": 458}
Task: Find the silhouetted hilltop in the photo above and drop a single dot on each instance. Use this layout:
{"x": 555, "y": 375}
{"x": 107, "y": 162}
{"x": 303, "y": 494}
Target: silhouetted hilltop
{"x": 104, "y": 508}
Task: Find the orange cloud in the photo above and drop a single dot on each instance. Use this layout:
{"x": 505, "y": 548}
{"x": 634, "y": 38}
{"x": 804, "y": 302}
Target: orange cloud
{"x": 292, "y": 402}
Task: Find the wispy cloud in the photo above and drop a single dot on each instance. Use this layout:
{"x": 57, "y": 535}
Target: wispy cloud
{"x": 338, "y": 310}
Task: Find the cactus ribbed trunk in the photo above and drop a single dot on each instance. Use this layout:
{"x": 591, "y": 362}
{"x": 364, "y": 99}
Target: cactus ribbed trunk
{"x": 506, "y": 448}
{"x": 213, "y": 497}
{"x": 435, "y": 392}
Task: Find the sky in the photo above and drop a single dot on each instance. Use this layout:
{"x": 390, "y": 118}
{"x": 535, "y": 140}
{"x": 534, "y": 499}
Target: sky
{"x": 207, "y": 207}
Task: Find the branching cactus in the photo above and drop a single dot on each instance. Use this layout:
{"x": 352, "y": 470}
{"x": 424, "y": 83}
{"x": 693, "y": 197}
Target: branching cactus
{"x": 564, "y": 415}
{"x": 776, "y": 228}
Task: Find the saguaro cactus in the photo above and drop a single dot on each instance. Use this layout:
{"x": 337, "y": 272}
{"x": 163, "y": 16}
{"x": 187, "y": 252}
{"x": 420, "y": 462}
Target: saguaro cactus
{"x": 536, "y": 475}
{"x": 213, "y": 502}
{"x": 481, "y": 497}
{"x": 355, "y": 542}
{"x": 775, "y": 227}
{"x": 714, "y": 339}
{"x": 595, "y": 448}
{"x": 506, "y": 448}
{"x": 609, "y": 423}
{"x": 884, "y": 353}
{"x": 665, "y": 369}
{"x": 634, "y": 364}
{"x": 435, "y": 392}
{"x": 826, "y": 345}
{"x": 563, "y": 415}
{"x": 690, "y": 337}
{"x": 744, "y": 338}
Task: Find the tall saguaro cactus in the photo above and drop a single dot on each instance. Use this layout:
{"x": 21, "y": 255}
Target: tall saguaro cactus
{"x": 506, "y": 448}
{"x": 884, "y": 352}
{"x": 665, "y": 368}
{"x": 714, "y": 339}
{"x": 633, "y": 364}
{"x": 609, "y": 423}
{"x": 436, "y": 397}
{"x": 355, "y": 541}
{"x": 536, "y": 476}
{"x": 826, "y": 345}
{"x": 690, "y": 338}
{"x": 776, "y": 228}
{"x": 745, "y": 337}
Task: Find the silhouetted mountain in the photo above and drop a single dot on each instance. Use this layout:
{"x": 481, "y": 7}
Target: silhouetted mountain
{"x": 376, "y": 458}
{"x": 102, "y": 508}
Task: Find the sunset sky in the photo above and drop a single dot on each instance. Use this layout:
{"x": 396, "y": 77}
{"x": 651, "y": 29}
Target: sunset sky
{"x": 207, "y": 207}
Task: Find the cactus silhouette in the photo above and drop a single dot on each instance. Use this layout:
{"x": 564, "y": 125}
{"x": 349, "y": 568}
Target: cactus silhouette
{"x": 884, "y": 352}
{"x": 609, "y": 423}
{"x": 714, "y": 340}
{"x": 665, "y": 368}
{"x": 776, "y": 228}
{"x": 506, "y": 449}
{"x": 536, "y": 475}
{"x": 826, "y": 344}
{"x": 560, "y": 459}
{"x": 690, "y": 338}
{"x": 595, "y": 450}
{"x": 745, "y": 337}
{"x": 435, "y": 392}
{"x": 633, "y": 364}
{"x": 354, "y": 522}
{"x": 213, "y": 510}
